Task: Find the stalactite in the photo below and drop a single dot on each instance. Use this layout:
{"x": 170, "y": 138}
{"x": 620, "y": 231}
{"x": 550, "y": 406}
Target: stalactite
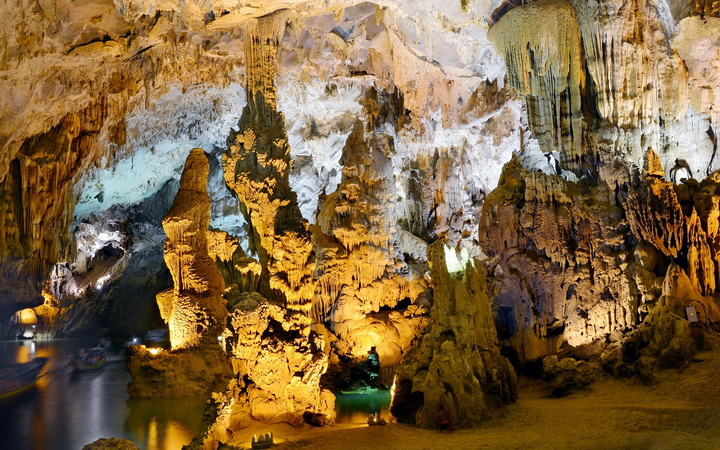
{"x": 545, "y": 68}
{"x": 257, "y": 167}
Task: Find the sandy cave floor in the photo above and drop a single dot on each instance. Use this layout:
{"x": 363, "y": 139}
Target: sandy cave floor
{"x": 682, "y": 411}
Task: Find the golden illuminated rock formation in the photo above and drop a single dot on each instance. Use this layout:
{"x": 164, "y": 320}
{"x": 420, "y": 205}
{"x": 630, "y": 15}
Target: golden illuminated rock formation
{"x": 358, "y": 270}
{"x": 37, "y": 193}
{"x": 681, "y": 221}
{"x": 159, "y": 373}
{"x": 706, "y": 8}
{"x": 69, "y": 75}
{"x": 257, "y": 168}
{"x": 277, "y": 361}
{"x": 277, "y": 364}
{"x": 194, "y": 309}
{"x": 457, "y": 362}
{"x": 666, "y": 331}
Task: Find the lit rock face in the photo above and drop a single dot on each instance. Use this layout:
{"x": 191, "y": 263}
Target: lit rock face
{"x": 277, "y": 361}
{"x": 577, "y": 257}
{"x": 257, "y": 168}
{"x": 666, "y": 333}
{"x": 561, "y": 265}
{"x": 114, "y": 275}
{"x": 95, "y": 67}
{"x": 35, "y": 187}
{"x": 183, "y": 373}
{"x": 681, "y": 222}
{"x": 457, "y": 363}
{"x": 277, "y": 364}
{"x": 359, "y": 271}
{"x": 194, "y": 309}
{"x": 132, "y": 79}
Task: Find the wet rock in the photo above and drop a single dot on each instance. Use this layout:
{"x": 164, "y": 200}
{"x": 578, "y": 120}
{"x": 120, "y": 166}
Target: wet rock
{"x": 161, "y": 373}
{"x": 111, "y": 444}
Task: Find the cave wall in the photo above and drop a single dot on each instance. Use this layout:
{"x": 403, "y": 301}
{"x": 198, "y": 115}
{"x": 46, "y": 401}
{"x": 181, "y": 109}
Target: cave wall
{"x": 358, "y": 134}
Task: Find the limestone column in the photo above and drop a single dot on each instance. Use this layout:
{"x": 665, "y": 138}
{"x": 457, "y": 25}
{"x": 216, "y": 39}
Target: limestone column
{"x": 257, "y": 167}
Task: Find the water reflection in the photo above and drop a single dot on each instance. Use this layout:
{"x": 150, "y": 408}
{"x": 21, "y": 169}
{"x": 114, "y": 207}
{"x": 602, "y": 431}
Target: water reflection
{"x": 355, "y": 408}
{"x": 162, "y": 423}
{"x": 68, "y": 409}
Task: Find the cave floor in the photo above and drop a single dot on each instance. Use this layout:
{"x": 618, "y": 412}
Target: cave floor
{"x": 681, "y": 411}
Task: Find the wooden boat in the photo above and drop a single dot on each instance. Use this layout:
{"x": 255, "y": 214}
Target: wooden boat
{"x": 20, "y": 377}
{"x": 91, "y": 358}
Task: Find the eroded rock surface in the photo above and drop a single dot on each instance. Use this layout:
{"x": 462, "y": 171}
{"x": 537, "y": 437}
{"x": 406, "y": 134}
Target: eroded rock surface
{"x": 563, "y": 271}
{"x": 457, "y": 362}
{"x": 359, "y": 270}
{"x": 277, "y": 364}
{"x": 194, "y": 308}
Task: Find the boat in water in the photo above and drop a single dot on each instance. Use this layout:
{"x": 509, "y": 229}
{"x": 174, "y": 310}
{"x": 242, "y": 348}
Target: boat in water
{"x": 91, "y": 358}
{"x": 20, "y": 377}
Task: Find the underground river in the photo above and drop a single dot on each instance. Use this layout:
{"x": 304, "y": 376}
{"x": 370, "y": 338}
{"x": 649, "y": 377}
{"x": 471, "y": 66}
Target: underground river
{"x": 67, "y": 410}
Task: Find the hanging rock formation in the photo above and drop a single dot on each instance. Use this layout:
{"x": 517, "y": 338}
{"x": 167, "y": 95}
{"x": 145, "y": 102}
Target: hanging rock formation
{"x": 257, "y": 167}
{"x": 545, "y": 68}
{"x": 359, "y": 272}
{"x": 457, "y": 362}
{"x": 608, "y": 81}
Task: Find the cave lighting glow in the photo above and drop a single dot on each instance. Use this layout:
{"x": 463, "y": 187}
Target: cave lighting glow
{"x": 27, "y": 316}
{"x": 456, "y": 261}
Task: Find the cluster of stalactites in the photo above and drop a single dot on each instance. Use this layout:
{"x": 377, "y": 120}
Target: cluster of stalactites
{"x": 634, "y": 77}
{"x": 544, "y": 66}
{"x": 261, "y": 43}
{"x": 690, "y": 233}
{"x": 257, "y": 167}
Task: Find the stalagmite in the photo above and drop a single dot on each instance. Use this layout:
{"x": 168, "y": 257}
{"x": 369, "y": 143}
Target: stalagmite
{"x": 680, "y": 221}
{"x": 194, "y": 308}
{"x": 277, "y": 359}
{"x": 358, "y": 272}
{"x": 457, "y": 363}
